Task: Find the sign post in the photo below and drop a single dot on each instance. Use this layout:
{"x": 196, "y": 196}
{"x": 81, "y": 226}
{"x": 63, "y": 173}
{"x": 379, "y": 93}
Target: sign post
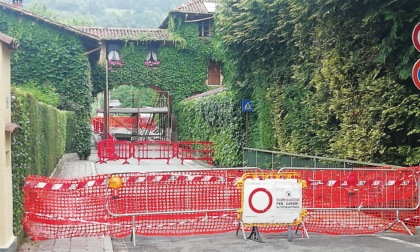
{"x": 247, "y": 107}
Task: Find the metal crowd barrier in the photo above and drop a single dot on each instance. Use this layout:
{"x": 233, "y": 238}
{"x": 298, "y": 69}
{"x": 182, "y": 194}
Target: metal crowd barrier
{"x": 195, "y": 150}
{"x": 171, "y": 194}
{"x": 111, "y": 149}
{"x": 98, "y": 125}
{"x": 337, "y": 201}
{"x": 361, "y": 189}
{"x": 152, "y": 150}
{"x": 122, "y": 122}
{"x": 123, "y": 150}
{"x": 106, "y": 150}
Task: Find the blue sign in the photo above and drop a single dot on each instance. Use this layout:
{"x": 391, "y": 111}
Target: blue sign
{"x": 415, "y": 74}
{"x": 247, "y": 106}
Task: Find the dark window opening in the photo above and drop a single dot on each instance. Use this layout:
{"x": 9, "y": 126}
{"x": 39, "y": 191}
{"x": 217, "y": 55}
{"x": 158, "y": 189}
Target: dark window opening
{"x": 205, "y": 28}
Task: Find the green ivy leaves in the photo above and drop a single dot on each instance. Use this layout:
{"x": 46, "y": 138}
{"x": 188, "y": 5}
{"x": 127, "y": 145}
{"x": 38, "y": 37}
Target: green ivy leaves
{"x": 45, "y": 133}
{"x": 216, "y": 118}
{"x": 52, "y": 59}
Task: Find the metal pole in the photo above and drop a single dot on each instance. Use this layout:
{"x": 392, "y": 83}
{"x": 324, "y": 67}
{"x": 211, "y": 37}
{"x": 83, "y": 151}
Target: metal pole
{"x": 246, "y": 130}
{"x": 106, "y": 102}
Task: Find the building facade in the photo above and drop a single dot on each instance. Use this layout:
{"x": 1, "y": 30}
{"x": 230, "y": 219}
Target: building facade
{"x": 7, "y": 239}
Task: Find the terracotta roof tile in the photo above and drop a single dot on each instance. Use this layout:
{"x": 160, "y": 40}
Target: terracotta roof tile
{"x": 127, "y": 33}
{"x": 197, "y": 6}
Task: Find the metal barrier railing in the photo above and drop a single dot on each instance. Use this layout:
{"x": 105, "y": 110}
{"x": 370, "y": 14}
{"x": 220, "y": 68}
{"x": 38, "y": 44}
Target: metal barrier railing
{"x": 195, "y": 150}
{"x": 337, "y": 201}
{"x": 122, "y": 122}
{"x": 152, "y": 150}
{"x": 367, "y": 189}
{"x": 106, "y": 150}
{"x": 109, "y": 149}
{"x": 186, "y": 192}
{"x": 267, "y": 159}
{"x": 123, "y": 150}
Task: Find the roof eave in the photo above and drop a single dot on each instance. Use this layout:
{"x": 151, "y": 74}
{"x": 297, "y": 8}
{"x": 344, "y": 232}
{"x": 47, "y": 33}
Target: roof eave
{"x": 9, "y": 41}
{"x": 164, "y": 24}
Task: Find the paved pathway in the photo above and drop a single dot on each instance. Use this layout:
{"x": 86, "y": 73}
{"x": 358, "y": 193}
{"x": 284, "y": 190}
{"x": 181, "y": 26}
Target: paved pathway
{"x": 273, "y": 242}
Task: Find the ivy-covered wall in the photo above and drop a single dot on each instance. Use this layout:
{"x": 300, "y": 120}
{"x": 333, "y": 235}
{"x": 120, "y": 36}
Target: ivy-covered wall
{"x": 37, "y": 147}
{"x": 52, "y": 57}
{"x": 329, "y": 78}
{"x": 216, "y": 118}
{"x": 182, "y": 70}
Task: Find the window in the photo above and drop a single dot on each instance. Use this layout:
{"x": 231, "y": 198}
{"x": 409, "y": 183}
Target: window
{"x": 112, "y": 52}
{"x": 205, "y": 28}
{"x": 213, "y": 73}
{"x": 151, "y": 57}
{"x": 113, "y": 57}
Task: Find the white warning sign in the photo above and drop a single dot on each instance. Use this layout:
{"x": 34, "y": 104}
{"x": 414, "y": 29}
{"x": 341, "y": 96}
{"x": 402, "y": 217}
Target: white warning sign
{"x": 271, "y": 201}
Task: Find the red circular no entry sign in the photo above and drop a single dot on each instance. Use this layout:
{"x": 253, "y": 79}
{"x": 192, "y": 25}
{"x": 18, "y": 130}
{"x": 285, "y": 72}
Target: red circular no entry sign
{"x": 416, "y": 37}
{"x": 270, "y": 201}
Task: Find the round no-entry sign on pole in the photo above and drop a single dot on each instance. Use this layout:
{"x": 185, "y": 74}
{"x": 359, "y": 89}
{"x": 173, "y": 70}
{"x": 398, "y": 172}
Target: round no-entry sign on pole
{"x": 415, "y": 73}
{"x": 416, "y": 37}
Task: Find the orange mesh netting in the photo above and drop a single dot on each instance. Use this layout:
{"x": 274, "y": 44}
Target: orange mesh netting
{"x": 205, "y": 202}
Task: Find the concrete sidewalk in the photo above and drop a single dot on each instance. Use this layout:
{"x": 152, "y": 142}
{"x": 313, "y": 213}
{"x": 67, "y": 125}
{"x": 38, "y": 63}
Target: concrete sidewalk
{"x": 71, "y": 167}
{"x": 75, "y": 244}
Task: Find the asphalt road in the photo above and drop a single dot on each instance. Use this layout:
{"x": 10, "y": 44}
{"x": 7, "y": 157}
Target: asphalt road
{"x": 383, "y": 242}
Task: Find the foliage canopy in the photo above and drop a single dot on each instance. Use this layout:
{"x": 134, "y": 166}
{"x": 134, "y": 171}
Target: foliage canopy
{"x": 328, "y": 77}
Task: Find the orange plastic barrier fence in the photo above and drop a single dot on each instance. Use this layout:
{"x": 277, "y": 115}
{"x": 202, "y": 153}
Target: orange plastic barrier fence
{"x": 110, "y": 149}
{"x": 205, "y": 202}
{"x": 367, "y": 188}
{"x": 152, "y": 150}
{"x": 57, "y": 208}
{"x": 124, "y": 150}
{"x": 195, "y": 150}
{"x": 106, "y": 150}
{"x": 147, "y": 149}
{"x": 122, "y": 122}
{"x": 98, "y": 125}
